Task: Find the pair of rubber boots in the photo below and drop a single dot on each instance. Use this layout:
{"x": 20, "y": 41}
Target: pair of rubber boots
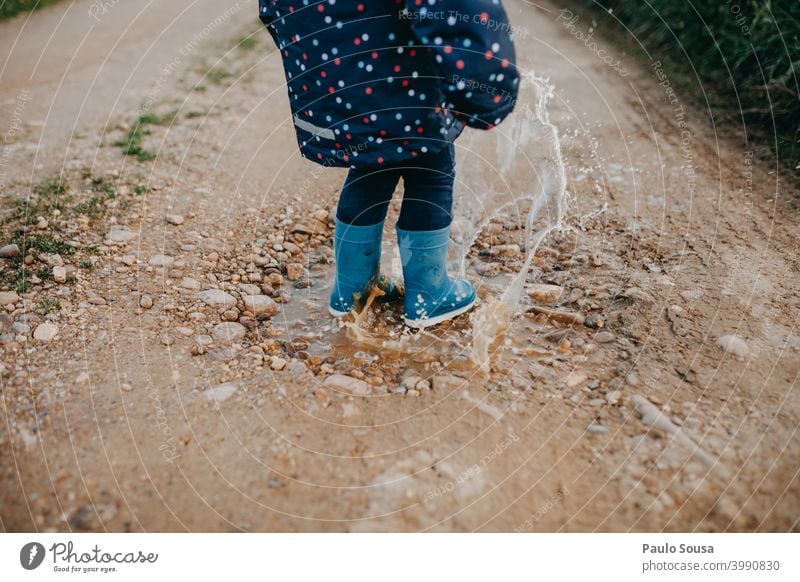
{"x": 431, "y": 297}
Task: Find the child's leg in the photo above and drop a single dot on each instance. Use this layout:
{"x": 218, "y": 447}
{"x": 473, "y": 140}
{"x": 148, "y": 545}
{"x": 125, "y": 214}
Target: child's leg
{"x": 428, "y": 191}
{"x": 366, "y": 195}
{"x": 423, "y": 235}
{"x": 357, "y": 239}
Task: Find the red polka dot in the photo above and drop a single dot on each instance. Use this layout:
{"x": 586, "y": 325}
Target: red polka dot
{"x": 448, "y": 49}
{"x": 459, "y": 64}
{"x": 323, "y": 74}
{"x": 356, "y": 41}
{"x": 397, "y": 68}
{"x": 365, "y": 120}
{"x": 380, "y": 160}
{"x": 488, "y": 55}
{"x": 320, "y": 8}
{"x": 368, "y": 90}
{"x": 504, "y": 63}
{"x": 374, "y": 54}
{"x": 484, "y": 17}
{"x": 337, "y": 61}
{"x": 496, "y": 99}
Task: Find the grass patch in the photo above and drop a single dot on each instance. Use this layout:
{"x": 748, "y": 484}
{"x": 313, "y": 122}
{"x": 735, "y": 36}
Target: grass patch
{"x": 218, "y": 75}
{"x": 49, "y": 305}
{"x": 248, "y": 42}
{"x": 10, "y": 8}
{"x": 132, "y": 144}
{"x": 743, "y": 55}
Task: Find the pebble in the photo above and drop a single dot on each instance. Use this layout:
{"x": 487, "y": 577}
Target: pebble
{"x": 260, "y": 305}
{"x": 220, "y": 393}
{"x": 277, "y": 363}
{"x": 216, "y": 298}
{"x": 575, "y": 378}
{"x": 204, "y": 340}
{"x": 145, "y": 302}
{"x": 8, "y": 251}
{"x": 733, "y": 344}
{"x": 546, "y": 293}
{"x": 8, "y": 297}
{"x": 248, "y": 289}
{"x": 613, "y": 397}
{"x": 488, "y": 269}
{"x": 120, "y": 234}
{"x": 176, "y": 219}
{"x": 59, "y": 274}
{"x": 45, "y": 332}
{"x": 189, "y": 283}
{"x": 691, "y": 294}
{"x": 295, "y": 271}
{"x": 603, "y": 337}
{"x": 347, "y": 384}
{"x": 229, "y": 331}
{"x": 596, "y": 428}
{"x": 161, "y": 261}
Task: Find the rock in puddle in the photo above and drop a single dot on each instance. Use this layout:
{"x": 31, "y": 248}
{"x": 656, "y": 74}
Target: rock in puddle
{"x": 348, "y": 384}
{"x": 546, "y": 293}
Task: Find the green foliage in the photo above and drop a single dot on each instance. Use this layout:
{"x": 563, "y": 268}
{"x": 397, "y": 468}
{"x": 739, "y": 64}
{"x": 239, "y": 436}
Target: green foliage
{"x": 10, "y": 8}
{"x": 743, "y": 55}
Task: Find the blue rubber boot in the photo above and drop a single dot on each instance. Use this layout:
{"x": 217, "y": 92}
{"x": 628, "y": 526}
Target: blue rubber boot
{"x": 431, "y": 297}
{"x": 357, "y": 250}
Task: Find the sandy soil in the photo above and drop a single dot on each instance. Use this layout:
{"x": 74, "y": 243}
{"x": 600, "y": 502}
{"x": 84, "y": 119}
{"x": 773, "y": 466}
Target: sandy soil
{"x": 155, "y": 408}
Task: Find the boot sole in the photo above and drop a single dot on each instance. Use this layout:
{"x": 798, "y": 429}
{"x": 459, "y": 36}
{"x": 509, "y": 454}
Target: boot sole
{"x": 431, "y": 321}
{"x": 336, "y": 312}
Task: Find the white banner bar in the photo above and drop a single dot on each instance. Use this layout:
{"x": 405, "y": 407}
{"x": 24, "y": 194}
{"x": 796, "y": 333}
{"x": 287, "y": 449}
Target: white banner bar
{"x": 401, "y": 557}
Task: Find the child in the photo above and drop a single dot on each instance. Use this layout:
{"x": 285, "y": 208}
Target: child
{"x": 384, "y": 87}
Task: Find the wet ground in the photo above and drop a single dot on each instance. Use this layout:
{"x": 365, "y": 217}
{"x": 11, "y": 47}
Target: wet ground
{"x": 181, "y": 372}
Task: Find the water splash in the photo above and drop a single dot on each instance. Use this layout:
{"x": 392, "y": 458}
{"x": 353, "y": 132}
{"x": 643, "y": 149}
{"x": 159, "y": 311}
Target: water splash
{"x": 519, "y": 176}
{"x": 525, "y": 170}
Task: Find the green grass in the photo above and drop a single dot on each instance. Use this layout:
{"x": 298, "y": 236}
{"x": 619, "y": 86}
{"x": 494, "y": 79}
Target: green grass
{"x": 743, "y": 56}
{"x": 10, "y": 8}
{"x": 132, "y": 144}
{"x": 49, "y": 305}
{"x": 248, "y": 42}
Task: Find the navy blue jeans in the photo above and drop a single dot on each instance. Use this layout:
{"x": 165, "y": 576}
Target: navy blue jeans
{"x": 427, "y": 192}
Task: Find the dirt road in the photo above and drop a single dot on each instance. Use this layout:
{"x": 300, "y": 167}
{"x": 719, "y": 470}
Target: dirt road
{"x": 167, "y": 363}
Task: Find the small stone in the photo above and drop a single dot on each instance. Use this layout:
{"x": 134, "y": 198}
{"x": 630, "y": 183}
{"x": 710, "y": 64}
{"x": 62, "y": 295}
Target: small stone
{"x": 8, "y": 298}
{"x": 277, "y": 363}
{"x": 204, "y": 340}
{"x": 488, "y": 269}
{"x": 546, "y": 293}
{"x": 594, "y": 321}
{"x": 189, "y": 283}
{"x": 45, "y": 332}
{"x": 423, "y": 385}
{"x": 613, "y": 397}
{"x": 445, "y": 382}
{"x": 248, "y": 289}
{"x": 59, "y": 274}
{"x": 733, "y": 344}
{"x": 412, "y": 392}
{"x": 176, "y": 219}
{"x": 220, "y": 393}
{"x": 596, "y": 428}
{"x": 120, "y": 234}
{"x": 167, "y": 339}
{"x": 347, "y": 384}
{"x": 603, "y": 337}
{"x": 216, "y": 298}
{"x": 260, "y": 305}
{"x": 161, "y": 261}
{"x": 575, "y": 378}
{"x": 229, "y": 331}
{"x": 145, "y": 302}
{"x": 691, "y": 294}
{"x": 511, "y": 250}
{"x": 295, "y": 271}
{"x": 125, "y": 387}
{"x": 8, "y": 251}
